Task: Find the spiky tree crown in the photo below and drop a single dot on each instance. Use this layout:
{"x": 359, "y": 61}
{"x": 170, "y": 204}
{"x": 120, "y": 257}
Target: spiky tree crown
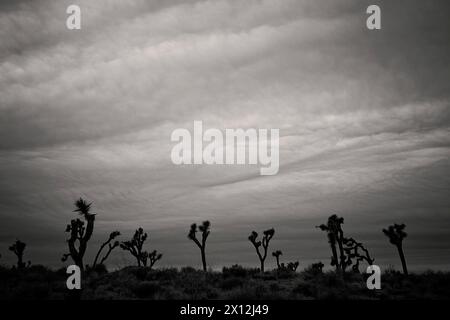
{"x": 205, "y": 226}
{"x": 395, "y": 233}
{"x": 18, "y": 247}
{"x": 269, "y": 233}
{"x": 138, "y": 240}
{"x": 277, "y": 253}
{"x": 333, "y": 224}
{"x": 192, "y": 231}
{"x": 114, "y": 235}
{"x": 83, "y": 208}
{"x": 252, "y": 237}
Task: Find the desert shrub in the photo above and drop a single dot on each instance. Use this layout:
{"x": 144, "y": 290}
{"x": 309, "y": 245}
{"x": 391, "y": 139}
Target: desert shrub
{"x": 267, "y": 276}
{"x": 97, "y": 269}
{"x": 198, "y": 289}
{"x": 234, "y": 271}
{"x": 231, "y": 283}
{"x": 239, "y": 271}
{"x": 163, "y": 275}
{"x": 251, "y": 290}
{"x": 147, "y": 289}
{"x": 274, "y": 287}
{"x": 307, "y": 289}
{"x": 139, "y": 272}
{"x": 284, "y": 273}
{"x": 188, "y": 269}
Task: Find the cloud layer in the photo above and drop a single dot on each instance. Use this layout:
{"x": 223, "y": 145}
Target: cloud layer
{"x": 363, "y": 116}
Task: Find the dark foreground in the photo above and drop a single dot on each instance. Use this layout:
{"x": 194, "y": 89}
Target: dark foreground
{"x": 235, "y": 283}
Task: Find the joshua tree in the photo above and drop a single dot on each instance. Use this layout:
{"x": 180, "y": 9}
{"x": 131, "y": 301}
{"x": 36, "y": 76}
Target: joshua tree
{"x": 335, "y": 239}
{"x": 396, "y": 235}
{"x": 153, "y": 257}
{"x": 277, "y": 255}
{"x": 18, "y": 248}
{"x": 356, "y": 250}
{"x": 267, "y": 236}
{"x": 79, "y": 233}
{"x": 111, "y": 247}
{"x": 134, "y": 246}
{"x": 204, "y": 229}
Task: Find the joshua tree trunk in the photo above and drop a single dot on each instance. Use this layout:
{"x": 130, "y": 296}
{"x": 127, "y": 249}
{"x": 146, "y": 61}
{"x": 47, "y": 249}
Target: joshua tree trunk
{"x": 341, "y": 250}
{"x": 402, "y": 258}
{"x": 20, "y": 263}
{"x": 335, "y": 256}
{"x": 74, "y": 254}
{"x": 98, "y": 254}
{"x": 203, "y": 258}
{"x": 262, "y": 266}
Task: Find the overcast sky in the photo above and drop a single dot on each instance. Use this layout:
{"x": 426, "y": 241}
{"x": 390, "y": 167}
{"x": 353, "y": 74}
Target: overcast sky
{"x": 364, "y": 119}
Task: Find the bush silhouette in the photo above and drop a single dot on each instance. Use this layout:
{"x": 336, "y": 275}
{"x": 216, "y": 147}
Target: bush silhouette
{"x": 204, "y": 229}
{"x": 18, "y": 249}
{"x": 111, "y": 247}
{"x": 292, "y": 266}
{"x": 134, "y": 246}
{"x": 336, "y": 240}
{"x": 396, "y": 235}
{"x": 79, "y": 233}
{"x": 267, "y": 236}
{"x": 317, "y": 266}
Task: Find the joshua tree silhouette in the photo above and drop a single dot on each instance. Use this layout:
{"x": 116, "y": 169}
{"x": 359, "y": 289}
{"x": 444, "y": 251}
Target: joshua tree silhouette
{"x": 353, "y": 250}
{"x": 396, "y": 235}
{"x": 153, "y": 257}
{"x": 204, "y": 229}
{"x": 79, "y": 233}
{"x": 267, "y": 236}
{"x": 18, "y": 248}
{"x": 277, "y": 255}
{"x": 111, "y": 247}
{"x": 134, "y": 246}
{"x": 291, "y": 266}
{"x": 335, "y": 237}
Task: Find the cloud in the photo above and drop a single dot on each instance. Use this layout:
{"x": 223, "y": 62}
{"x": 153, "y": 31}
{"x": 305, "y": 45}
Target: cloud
{"x": 363, "y": 116}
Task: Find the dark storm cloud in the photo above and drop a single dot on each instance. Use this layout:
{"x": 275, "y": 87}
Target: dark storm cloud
{"x": 363, "y": 115}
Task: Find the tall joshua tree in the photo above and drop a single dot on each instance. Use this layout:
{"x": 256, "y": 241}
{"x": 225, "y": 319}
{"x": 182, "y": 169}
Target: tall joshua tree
{"x": 277, "y": 255}
{"x": 79, "y": 233}
{"x": 111, "y": 246}
{"x": 204, "y": 229}
{"x": 336, "y": 240}
{"x": 18, "y": 248}
{"x": 134, "y": 246}
{"x": 267, "y": 236}
{"x": 396, "y": 234}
